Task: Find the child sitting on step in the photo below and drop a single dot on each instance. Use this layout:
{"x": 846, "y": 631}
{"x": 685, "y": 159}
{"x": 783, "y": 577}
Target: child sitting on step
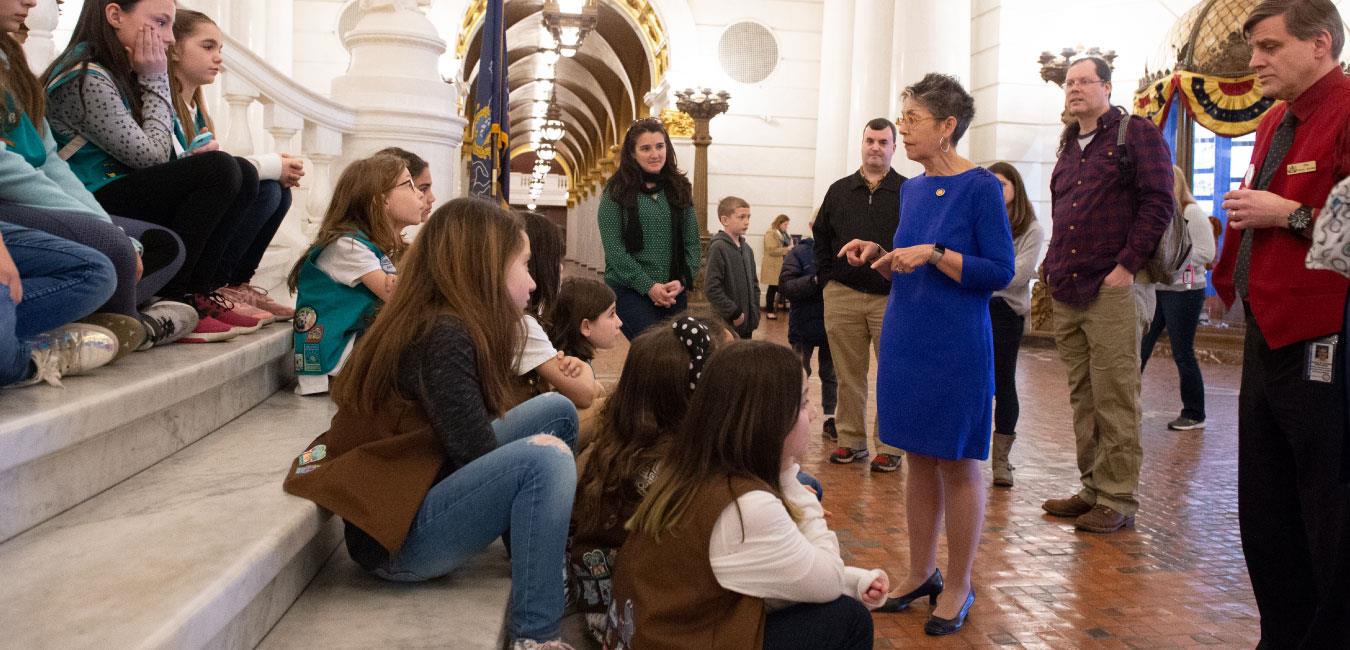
{"x": 583, "y": 319}
{"x": 543, "y": 367}
{"x": 349, "y": 270}
{"x": 423, "y": 462}
{"x": 636, "y": 426}
{"x": 757, "y": 565}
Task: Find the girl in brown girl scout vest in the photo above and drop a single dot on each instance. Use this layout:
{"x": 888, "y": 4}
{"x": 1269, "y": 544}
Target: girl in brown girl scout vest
{"x": 727, "y": 550}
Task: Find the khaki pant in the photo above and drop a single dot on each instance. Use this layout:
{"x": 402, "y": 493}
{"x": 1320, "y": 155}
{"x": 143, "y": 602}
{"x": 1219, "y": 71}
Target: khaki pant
{"x": 853, "y": 326}
{"x": 1100, "y": 345}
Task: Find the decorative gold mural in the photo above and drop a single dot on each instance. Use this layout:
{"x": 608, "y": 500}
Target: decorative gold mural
{"x": 678, "y": 123}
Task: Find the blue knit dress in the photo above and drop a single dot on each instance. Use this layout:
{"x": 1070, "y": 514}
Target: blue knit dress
{"x": 935, "y": 374}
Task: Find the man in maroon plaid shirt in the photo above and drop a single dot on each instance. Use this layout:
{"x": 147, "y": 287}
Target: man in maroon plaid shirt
{"x": 1107, "y": 222}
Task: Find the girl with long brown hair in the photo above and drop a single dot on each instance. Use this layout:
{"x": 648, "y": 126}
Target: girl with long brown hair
{"x": 1008, "y": 309}
{"x": 423, "y": 461}
{"x": 111, "y": 112}
{"x": 727, "y": 515}
{"x": 194, "y": 62}
{"x": 350, "y": 269}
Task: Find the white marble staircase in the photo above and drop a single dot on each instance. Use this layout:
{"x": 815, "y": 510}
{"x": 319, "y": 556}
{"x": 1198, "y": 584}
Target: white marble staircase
{"x": 141, "y": 507}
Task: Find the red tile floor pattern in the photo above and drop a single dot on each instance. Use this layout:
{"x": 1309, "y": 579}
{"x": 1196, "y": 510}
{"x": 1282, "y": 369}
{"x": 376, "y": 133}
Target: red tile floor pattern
{"x": 1176, "y": 580}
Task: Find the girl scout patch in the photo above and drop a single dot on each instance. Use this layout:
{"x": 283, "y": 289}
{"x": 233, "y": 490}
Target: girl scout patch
{"x": 318, "y": 453}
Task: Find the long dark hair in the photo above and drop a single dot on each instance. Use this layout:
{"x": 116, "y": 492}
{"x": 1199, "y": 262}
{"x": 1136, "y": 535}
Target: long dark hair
{"x": 578, "y": 299}
{"x": 100, "y": 46}
{"x": 456, "y": 268}
{"x": 17, "y": 81}
{"x": 637, "y": 421}
{"x": 628, "y": 180}
{"x": 1020, "y": 212}
{"x": 742, "y": 411}
{"x": 1070, "y": 131}
{"x": 546, "y": 254}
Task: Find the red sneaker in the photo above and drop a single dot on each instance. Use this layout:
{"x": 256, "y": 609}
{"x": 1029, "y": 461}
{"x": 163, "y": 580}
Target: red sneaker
{"x": 209, "y": 330}
{"x": 213, "y": 305}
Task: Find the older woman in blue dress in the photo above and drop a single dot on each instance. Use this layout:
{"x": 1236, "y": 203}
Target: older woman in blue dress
{"x": 935, "y": 376}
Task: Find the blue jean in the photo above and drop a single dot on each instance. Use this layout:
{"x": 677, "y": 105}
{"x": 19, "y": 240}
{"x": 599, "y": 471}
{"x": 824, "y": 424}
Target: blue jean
{"x": 813, "y": 483}
{"x": 638, "y": 312}
{"x": 62, "y": 281}
{"x": 526, "y": 484}
{"x": 829, "y": 384}
{"x": 1179, "y": 312}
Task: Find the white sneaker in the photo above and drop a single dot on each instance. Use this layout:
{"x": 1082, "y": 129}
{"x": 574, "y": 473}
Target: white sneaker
{"x": 167, "y": 321}
{"x": 70, "y": 350}
{"x": 527, "y": 644}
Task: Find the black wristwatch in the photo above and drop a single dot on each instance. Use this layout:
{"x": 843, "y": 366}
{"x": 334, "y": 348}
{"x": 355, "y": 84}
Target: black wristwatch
{"x": 938, "y": 251}
{"x": 1300, "y": 219}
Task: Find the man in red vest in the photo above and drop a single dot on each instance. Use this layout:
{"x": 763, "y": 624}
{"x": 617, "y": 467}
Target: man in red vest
{"x": 1291, "y": 412}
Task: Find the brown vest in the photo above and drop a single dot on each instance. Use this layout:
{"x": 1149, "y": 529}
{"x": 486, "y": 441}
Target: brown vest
{"x": 373, "y": 471}
{"x": 665, "y": 593}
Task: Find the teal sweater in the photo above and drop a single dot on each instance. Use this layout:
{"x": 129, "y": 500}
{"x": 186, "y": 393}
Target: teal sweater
{"x": 50, "y": 185}
{"x": 651, "y": 265}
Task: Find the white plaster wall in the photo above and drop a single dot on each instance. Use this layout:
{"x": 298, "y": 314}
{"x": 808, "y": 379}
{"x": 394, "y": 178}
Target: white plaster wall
{"x": 763, "y": 148}
{"x": 318, "y": 55}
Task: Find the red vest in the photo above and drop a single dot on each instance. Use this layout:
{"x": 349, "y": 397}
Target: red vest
{"x": 1290, "y": 302}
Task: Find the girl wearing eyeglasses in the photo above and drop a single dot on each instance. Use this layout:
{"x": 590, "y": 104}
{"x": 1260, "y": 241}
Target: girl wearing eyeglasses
{"x": 348, "y": 272}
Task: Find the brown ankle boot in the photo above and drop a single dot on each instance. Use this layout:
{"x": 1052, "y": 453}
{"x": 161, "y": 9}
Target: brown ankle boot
{"x": 998, "y": 460}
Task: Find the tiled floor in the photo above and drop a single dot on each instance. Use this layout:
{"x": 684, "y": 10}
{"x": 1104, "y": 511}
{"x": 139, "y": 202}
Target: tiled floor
{"x": 1176, "y": 580}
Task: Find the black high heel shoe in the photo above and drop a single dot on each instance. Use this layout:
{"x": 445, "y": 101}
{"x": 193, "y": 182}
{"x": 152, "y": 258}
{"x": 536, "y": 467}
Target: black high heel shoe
{"x": 937, "y": 626}
{"x": 930, "y": 587}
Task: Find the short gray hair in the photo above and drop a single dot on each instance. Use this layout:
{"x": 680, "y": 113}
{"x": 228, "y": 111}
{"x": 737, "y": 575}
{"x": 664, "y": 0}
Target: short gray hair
{"x": 944, "y": 97}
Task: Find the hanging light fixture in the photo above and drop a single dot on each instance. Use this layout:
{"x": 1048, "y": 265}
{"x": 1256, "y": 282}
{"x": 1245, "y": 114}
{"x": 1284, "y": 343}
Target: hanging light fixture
{"x": 545, "y": 151}
{"x": 542, "y": 167}
{"x": 539, "y": 109}
{"x": 543, "y": 88}
{"x": 569, "y": 21}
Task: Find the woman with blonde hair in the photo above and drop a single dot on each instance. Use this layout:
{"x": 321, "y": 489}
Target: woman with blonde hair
{"x": 777, "y": 243}
{"x": 1179, "y": 306}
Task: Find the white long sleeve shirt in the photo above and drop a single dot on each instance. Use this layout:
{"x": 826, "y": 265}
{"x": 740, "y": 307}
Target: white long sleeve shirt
{"x": 778, "y": 559}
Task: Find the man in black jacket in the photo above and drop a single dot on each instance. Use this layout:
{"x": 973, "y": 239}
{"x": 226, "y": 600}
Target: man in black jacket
{"x": 863, "y": 205}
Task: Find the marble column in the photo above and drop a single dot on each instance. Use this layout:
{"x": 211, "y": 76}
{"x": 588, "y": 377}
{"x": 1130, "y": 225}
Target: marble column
{"x": 930, "y": 36}
{"x": 394, "y": 83}
{"x": 870, "y": 85}
{"x": 833, "y": 140}
{"x": 40, "y": 49}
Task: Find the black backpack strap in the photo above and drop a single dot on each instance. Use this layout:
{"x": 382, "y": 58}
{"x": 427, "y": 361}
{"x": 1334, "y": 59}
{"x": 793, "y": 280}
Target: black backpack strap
{"x": 1123, "y": 159}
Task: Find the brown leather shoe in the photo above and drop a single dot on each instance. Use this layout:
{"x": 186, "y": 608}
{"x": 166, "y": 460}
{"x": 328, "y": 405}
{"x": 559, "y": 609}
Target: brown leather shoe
{"x": 1070, "y": 507}
{"x": 1102, "y": 519}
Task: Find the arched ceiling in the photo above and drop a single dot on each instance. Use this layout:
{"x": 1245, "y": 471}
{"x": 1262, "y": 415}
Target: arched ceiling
{"x": 598, "y": 92}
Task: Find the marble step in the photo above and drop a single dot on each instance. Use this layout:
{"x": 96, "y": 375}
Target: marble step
{"x": 60, "y": 446}
{"x": 345, "y": 607}
{"x": 202, "y": 550}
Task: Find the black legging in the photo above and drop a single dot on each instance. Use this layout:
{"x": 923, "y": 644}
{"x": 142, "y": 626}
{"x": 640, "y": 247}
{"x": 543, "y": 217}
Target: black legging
{"x": 111, "y": 239}
{"x": 257, "y": 226}
{"x": 769, "y": 297}
{"x": 841, "y": 624}
{"x": 200, "y": 197}
{"x": 1007, "y": 326}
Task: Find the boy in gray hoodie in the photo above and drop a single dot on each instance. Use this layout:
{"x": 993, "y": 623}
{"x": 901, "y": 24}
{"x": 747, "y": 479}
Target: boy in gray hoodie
{"x": 732, "y": 282}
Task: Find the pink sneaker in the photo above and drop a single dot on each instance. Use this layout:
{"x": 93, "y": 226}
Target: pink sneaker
{"x": 213, "y": 305}
{"x": 242, "y": 306}
{"x": 257, "y": 297}
{"x": 209, "y": 330}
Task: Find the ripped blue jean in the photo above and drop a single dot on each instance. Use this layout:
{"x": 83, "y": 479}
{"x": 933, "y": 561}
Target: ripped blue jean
{"x": 526, "y": 484}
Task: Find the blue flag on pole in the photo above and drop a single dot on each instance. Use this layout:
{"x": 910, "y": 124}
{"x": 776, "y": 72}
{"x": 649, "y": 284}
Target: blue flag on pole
{"x": 489, "y": 166}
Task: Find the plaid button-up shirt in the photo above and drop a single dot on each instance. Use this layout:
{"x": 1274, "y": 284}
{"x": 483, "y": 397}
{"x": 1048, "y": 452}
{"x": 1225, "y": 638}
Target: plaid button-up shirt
{"x": 1100, "y": 220}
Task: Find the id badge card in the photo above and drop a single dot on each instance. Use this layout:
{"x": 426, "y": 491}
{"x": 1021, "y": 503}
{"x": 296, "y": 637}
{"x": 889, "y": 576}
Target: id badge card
{"x": 1319, "y": 362}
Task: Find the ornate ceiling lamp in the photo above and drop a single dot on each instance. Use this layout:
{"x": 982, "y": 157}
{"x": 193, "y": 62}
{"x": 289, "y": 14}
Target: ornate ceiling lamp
{"x": 569, "y": 21}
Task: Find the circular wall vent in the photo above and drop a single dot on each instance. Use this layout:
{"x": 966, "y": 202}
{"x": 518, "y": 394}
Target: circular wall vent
{"x": 748, "y": 52}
